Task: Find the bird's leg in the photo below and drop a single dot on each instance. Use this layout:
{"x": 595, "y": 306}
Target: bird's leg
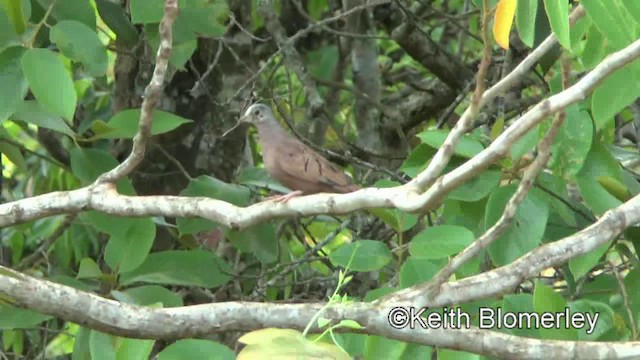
{"x": 286, "y": 197}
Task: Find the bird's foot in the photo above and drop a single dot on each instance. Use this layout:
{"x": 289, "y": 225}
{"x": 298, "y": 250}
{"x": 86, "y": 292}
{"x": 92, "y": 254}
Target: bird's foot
{"x": 286, "y": 197}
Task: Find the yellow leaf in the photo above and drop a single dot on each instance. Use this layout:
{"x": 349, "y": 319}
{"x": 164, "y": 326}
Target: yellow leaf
{"x": 504, "y": 19}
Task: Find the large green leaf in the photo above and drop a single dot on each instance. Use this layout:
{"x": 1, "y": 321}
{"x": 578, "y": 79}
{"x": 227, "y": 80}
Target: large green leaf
{"x": 80, "y": 43}
{"x": 526, "y": 229}
{"x": 88, "y": 164}
{"x": 545, "y": 300}
{"x": 260, "y": 240}
{"x": 607, "y": 16}
{"x": 367, "y": 255}
{"x": 558, "y": 14}
{"x": 616, "y": 92}
{"x": 572, "y": 143}
{"x": 16, "y": 318}
{"x": 31, "y": 112}
{"x": 417, "y": 160}
{"x": 599, "y": 163}
{"x": 134, "y": 349}
{"x": 467, "y": 146}
{"x": 125, "y": 124}
{"x": 594, "y": 48}
{"x": 478, "y": 187}
{"x": 196, "y": 349}
{"x": 114, "y": 16}
{"x": 520, "y": 303}
{"x": 187, "y": 268}
{"x": 126, "y": 252}
{"x": 418, "y": 270}
{"x": 526, "y": 20}
{"x": 606, "y": 318}
{"x": 80, "y": 10}
{"x": 440, "y": 241}
{"x": 50, "y": 82}
{"x": 102, "y": 346}
{"x": 13, "y": 84}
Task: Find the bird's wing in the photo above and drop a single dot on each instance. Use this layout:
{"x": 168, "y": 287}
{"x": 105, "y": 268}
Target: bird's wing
{"x": 300, "y": 162}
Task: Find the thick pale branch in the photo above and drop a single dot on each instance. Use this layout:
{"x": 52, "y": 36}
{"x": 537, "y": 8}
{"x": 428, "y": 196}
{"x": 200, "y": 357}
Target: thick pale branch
{"x": 122, "y": 319}
{"x": 505, "y": 278}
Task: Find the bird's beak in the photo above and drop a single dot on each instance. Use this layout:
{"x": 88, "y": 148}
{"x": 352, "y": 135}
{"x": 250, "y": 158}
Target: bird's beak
{"x": 244, "y": 119}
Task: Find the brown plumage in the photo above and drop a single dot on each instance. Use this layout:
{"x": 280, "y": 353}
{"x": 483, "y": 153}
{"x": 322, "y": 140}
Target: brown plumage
{"x": 293, "y": 163}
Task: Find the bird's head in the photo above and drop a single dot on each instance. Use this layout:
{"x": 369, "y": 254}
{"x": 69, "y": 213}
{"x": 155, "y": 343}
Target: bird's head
{"x": 256, "y": 114}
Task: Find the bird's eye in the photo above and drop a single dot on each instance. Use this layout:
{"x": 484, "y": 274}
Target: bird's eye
{"x": 256, "y": 112}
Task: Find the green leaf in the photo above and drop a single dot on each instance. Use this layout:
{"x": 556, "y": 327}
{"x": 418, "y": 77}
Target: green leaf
{"x": 632, "y": 282}
{"x": 148, "y": 295}
{"x": 16, "y": 318}
{"x": 378, "y": 347}
{"x": 80, "y": 43}
{"x": 606, "y": 318}
{"x": 526, "y": 143}
{"x": 607, "y": 16}
{"x": 467, "y": 146}
{"x": 526, "y": 20}
{"x": 594, "y": 48}
{"x": 12, "y": 152}
{"x": 14, "y": 85}
{"x": 188, "y": 268}
{"x": 196, "y": 349}
{"x": 558, "y": 14}
{"x": 260, "y": 240}
{"x": 520, "y": 303}
{"x": 478, "y": 187}
{"x": 204, "y": 18}
{"x": 526, "y": 229}
{"x": 50, "y": 82}
{"x": 125, "y": 124}
{"x": 17, "y": 14}
{"x": 146, "y": 11}
{"x": 88, "y": 164}
{"x": 368, "y": 255}
{"x": 418, "y": 270}
{"x": 114, "y": 16}
{"x": 31, "y": 112}
{"x": 102, "y": 346}
{"x": 545, "y": 300}
{"x": 81, "y": 348}
{"x": 89, "y": 269}
{"x": 608, "y": 99}
{"x": 440, "y": 241}
{"x": 572, "y": 143}
{"x": 80, "y": 10}
{"x": 633, "y": 9}
{"x": 134, "y": 349}
{"x": 599, "y": 163}
{"x": 125, "y": 253}
{"x": 417, "y": 160}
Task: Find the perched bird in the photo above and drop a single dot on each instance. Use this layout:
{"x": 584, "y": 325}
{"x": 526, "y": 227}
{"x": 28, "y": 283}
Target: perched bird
{"x": 290, "y": 161}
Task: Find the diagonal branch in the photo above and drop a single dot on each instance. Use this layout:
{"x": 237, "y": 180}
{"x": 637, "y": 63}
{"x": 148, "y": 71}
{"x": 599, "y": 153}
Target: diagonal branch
{"x": 151, "y": 95}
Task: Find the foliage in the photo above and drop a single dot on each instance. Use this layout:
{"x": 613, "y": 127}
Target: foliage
{"x": 57, "y": 73}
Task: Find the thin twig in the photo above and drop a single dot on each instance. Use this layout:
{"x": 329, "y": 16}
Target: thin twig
{"x": 151, "y": 96}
